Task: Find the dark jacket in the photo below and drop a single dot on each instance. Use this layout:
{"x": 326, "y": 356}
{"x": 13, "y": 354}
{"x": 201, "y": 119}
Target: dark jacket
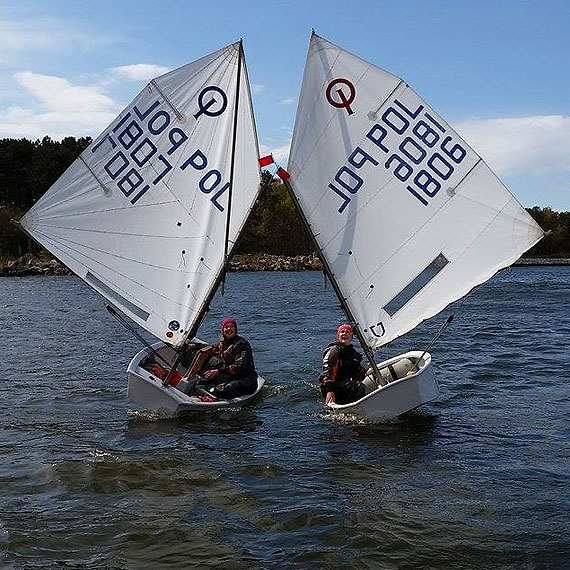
{"x": 237, "y": 358}
{"x": 341, "y": 368}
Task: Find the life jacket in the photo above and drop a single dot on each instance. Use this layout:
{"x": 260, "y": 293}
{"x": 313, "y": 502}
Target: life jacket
{"x": 341, "y": 363}
{"x": 160, "y": 372}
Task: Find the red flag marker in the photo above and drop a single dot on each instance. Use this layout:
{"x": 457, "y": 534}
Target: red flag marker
{"x": 283, "y": 174}
{"x": 265, "y": 160}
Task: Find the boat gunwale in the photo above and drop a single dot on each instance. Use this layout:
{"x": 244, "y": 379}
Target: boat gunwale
{"x": 185, "y": 401}
{"x": 426, "y": 357}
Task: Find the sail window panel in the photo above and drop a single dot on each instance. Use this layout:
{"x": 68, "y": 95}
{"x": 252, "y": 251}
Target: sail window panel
{"x": 413, "y": 288}
{"x": 113, "y": 295}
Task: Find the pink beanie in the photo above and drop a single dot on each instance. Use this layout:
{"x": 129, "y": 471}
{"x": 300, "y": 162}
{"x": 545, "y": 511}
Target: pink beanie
{"x": 343, "y": 327}
{"x": 228, "y": 321}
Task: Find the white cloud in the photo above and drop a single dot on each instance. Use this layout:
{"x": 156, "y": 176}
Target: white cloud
{"x": 526, "y": 145}
{"x": 256, "y": 88}
{"x": 138, "y": 71}
{"x": 33, "y": 35}
{"x": 58, "y": 109}
{"x": 288, "y": 101}
{"x": 280, "y": 153}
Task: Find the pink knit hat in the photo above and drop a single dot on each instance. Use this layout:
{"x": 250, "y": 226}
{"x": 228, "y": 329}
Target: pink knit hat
{"x": 343, "y": 327}
{"x": 228, "y": 321}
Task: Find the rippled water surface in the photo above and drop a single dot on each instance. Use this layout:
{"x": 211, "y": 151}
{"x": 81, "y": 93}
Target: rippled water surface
{"x": 479, "y": 479}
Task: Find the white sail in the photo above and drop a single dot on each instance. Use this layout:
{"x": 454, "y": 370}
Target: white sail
{"x": 141, "y": 215}
{"x": 408, "y": 216}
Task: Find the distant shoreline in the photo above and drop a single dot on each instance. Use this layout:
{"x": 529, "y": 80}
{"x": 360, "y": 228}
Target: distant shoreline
{"x": 543, "y": 261}
{"x": 28, "y": 265}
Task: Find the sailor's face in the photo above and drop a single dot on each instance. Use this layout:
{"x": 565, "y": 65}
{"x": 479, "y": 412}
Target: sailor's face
{"x": 345, "y": 337}
{"x": 229, "y": 331}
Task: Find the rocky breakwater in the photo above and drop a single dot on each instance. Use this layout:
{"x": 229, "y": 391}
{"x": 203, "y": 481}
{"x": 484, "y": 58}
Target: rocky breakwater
{"x": 543, "y": 261}
{"x": 28, "y": 265}
{"x": 33, "y": 266}
{"x": 244, "y": 262}
{"x": 266, "y": 262}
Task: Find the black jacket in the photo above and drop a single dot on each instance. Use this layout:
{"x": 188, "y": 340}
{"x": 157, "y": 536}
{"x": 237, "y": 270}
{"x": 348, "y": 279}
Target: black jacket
{"x": 341, "y": 366}
{"x": 237, "y": 358}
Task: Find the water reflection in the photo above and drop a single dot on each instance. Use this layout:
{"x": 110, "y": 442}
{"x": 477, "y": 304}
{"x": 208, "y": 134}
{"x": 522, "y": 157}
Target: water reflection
{"x": 227, "y": 421}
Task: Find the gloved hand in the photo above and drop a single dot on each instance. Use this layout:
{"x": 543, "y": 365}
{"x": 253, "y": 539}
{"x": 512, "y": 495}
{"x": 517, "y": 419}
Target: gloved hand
{"x": 211, "y": 374}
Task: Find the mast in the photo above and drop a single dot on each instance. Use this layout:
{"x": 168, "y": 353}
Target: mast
{"x": 232, "y": 165}
{"x": 220, "y": 278}
{"x": 342, "y": 299}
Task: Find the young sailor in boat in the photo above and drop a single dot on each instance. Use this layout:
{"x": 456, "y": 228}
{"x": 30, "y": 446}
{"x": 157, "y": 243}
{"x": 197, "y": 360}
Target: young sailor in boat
{"x": 341, "y": 380}
{"x": 232, "y": 373}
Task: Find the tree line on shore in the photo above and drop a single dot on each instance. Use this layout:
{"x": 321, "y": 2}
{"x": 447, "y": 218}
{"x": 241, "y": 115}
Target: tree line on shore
{"x": 29, "y": 168}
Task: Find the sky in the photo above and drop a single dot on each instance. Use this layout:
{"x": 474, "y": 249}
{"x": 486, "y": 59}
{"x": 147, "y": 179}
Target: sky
{"x": 497, "y": 71}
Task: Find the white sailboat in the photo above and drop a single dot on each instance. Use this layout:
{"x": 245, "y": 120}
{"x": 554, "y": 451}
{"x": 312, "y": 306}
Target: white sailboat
{"x": 405, "y": 215}
{"x": 150, "y": 212}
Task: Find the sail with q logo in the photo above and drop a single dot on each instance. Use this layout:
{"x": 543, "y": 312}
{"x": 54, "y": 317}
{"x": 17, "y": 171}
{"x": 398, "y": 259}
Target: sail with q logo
{"x": 406, "y": 216}
{"x": 149, "y": 214}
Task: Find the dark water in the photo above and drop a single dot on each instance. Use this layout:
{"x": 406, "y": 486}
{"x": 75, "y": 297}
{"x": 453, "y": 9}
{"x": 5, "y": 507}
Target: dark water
{"x": 479, "y": 479}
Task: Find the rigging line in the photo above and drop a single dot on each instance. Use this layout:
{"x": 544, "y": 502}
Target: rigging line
{"x": 438, "y": 334}
{"x": 449, "y": 319}
{"x": 250, "y": 106}
{"x": 135, "y": 333}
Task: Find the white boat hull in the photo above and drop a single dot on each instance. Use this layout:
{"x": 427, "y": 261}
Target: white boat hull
{"x": 399, "y": 395}
{"x": 148, "y": 391}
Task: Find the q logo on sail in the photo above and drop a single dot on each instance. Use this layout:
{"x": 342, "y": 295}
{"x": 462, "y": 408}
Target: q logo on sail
{"x": 344, "y": 102}
{"x": 205, "y": 106}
